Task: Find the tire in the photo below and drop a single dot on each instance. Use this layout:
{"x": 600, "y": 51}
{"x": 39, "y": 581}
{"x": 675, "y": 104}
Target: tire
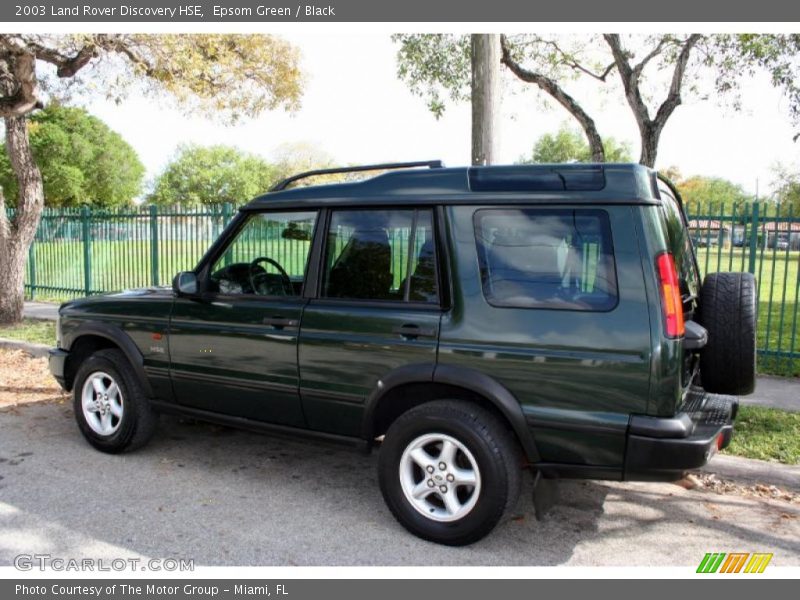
{"x": 728, "y": 311}
{"x": 114, "y": 421}
{"x": 485, "y": 453}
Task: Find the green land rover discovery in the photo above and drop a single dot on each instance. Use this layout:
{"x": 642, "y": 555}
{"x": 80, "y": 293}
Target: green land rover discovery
{"x": 472, "y": 323}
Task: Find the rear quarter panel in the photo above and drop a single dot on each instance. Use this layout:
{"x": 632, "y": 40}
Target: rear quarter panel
{"x": 578, "y": 375}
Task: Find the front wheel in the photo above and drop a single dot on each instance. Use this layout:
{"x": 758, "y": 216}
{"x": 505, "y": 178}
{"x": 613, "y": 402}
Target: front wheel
{"x": 111, "y": 408}
{"x": 449, "y": 471}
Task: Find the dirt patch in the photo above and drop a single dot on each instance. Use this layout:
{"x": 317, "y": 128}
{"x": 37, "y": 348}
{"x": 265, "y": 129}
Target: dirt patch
{"x": 25, "y": 379}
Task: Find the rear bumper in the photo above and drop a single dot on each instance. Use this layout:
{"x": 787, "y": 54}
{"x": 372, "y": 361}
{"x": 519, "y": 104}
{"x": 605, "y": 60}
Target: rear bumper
{"x": 57, "y": 359}
{"x": 663, "y": 449}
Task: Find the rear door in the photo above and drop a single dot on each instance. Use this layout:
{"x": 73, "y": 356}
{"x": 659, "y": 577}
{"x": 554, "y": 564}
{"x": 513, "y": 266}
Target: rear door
{"x": 377, "y": 308}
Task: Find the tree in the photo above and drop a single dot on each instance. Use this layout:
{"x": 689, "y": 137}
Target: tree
{"x": 739, "y": 56}
{"x": 786, "y": 189}
{"x": 568, "y": 145}
{"x": 704, "y": 195}
{"x": 291, "y": 158}
{"x": 82, "y": 161}
{"x": 212, "y": 175}
{"x": 550, "y": 63}
{"x": 485, "y": 92}
{"x": 672, "y": 49}
{"x": 227, "y": 76}
{"x": 433, "y": 67}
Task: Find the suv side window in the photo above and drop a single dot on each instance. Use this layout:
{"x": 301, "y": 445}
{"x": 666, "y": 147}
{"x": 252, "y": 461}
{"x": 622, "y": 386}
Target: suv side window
{"x": 546, "y": 258}
{"x": 267, "y": 257}
{"x": 381, "y": 255}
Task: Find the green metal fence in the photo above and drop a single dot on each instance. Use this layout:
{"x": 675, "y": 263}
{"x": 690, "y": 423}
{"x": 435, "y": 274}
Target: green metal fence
{"x": 763, "y": 239}
{"x": 80, "y": 252}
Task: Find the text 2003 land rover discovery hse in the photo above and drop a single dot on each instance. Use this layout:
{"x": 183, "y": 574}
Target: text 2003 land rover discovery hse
{"x": 473, "y": 321}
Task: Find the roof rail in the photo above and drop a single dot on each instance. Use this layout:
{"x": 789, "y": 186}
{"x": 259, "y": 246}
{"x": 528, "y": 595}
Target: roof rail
{"x": 282, "y": 185}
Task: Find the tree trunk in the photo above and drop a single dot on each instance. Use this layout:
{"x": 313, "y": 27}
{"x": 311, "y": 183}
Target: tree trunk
{"x": 649, "y": 139}
{"x": 12, "y": 274}
{"x": 16, "y": 236}
{"x": 485, "y": 96}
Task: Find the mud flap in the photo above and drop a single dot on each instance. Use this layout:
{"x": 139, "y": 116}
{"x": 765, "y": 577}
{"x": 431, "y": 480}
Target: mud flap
{"x": 545, "y": 494}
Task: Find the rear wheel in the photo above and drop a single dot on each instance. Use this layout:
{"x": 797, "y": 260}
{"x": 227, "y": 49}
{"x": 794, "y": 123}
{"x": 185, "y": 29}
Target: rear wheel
{"x": 728, "y": 311}
{"x": 110, "y": 405}
{"x": 448, "y": 471}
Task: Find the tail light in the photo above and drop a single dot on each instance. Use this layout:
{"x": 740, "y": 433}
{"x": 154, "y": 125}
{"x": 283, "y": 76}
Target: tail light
{"x": 671, "y": 302}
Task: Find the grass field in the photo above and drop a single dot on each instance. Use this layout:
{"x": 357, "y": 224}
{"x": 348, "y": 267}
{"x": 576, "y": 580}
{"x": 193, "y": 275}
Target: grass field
{"x": 31, "y": 330}
{"x": 767, "y": 434}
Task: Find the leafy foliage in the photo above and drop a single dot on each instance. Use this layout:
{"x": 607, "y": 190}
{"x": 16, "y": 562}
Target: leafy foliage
{"x": 702, "y": 195}
{"x": 211, "y": 175}
{"x": 224, "y": 76}
{"x": 292, "y": 158}
{"x": 435, "y": 67}
{"x": 82, "y": 161}
{"x": 569, "y": 145}
{"x": 739, "y": 56}
{"x": 786, "y": 190}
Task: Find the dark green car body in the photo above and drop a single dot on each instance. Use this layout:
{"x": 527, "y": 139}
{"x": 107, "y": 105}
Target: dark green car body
{"x": 588, "y": 393}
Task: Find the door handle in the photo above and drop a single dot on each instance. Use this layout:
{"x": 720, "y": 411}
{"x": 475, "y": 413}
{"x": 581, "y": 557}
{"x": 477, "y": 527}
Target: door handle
{"x": 412, "y": 331}
{"x": 280, "y": 322}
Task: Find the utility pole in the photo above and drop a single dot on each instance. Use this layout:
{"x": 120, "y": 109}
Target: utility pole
{"x": 485, "y": 49}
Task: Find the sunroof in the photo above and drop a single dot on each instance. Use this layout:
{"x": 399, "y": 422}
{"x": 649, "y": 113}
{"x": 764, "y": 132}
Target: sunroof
{"x": 527, "y": 178}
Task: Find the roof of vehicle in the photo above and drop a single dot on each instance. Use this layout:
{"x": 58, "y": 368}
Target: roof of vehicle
{"x": 578, "y": 183}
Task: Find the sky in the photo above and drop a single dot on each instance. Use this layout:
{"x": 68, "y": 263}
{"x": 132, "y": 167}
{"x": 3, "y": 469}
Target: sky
{"x": 356, "y": 109}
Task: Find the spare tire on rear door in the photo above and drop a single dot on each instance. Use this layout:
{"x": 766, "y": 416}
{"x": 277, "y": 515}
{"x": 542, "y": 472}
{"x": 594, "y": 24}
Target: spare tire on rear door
{"x": 728, "y": 311}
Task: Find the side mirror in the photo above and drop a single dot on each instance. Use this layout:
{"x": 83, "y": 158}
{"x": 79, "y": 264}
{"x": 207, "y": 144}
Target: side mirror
{"x": 185, "y": 284}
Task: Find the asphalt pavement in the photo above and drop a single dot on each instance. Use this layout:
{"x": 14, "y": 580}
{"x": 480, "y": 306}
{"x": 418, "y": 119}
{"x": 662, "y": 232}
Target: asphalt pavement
{"x": 226, "y": 497}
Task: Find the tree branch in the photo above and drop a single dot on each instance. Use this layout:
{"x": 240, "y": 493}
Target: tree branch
{"x": 674, "y": 96}
{"x": 115, "y": 43}
{"x": 637, "y": 70}
{"x": 570, "y": 62}
{"x": 630, "y": 79}
{"x": 552, "y": 88}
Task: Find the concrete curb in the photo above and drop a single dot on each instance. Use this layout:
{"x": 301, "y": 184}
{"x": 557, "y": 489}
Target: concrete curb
{"x": 37, "y": 350}
{"x": 748, "y": 470}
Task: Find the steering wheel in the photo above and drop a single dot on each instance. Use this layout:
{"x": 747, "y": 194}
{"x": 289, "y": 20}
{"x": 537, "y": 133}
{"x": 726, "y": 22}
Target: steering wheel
{"x": 285, "y": 280}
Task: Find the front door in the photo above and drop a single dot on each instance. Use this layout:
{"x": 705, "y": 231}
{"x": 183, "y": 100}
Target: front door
{"x": 233, "y": 350}
{"x": 377, "y": 309}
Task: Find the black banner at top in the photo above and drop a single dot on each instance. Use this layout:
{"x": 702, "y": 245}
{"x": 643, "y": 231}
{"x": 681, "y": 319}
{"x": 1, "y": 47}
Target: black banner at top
{"x": 438, "y": 11}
